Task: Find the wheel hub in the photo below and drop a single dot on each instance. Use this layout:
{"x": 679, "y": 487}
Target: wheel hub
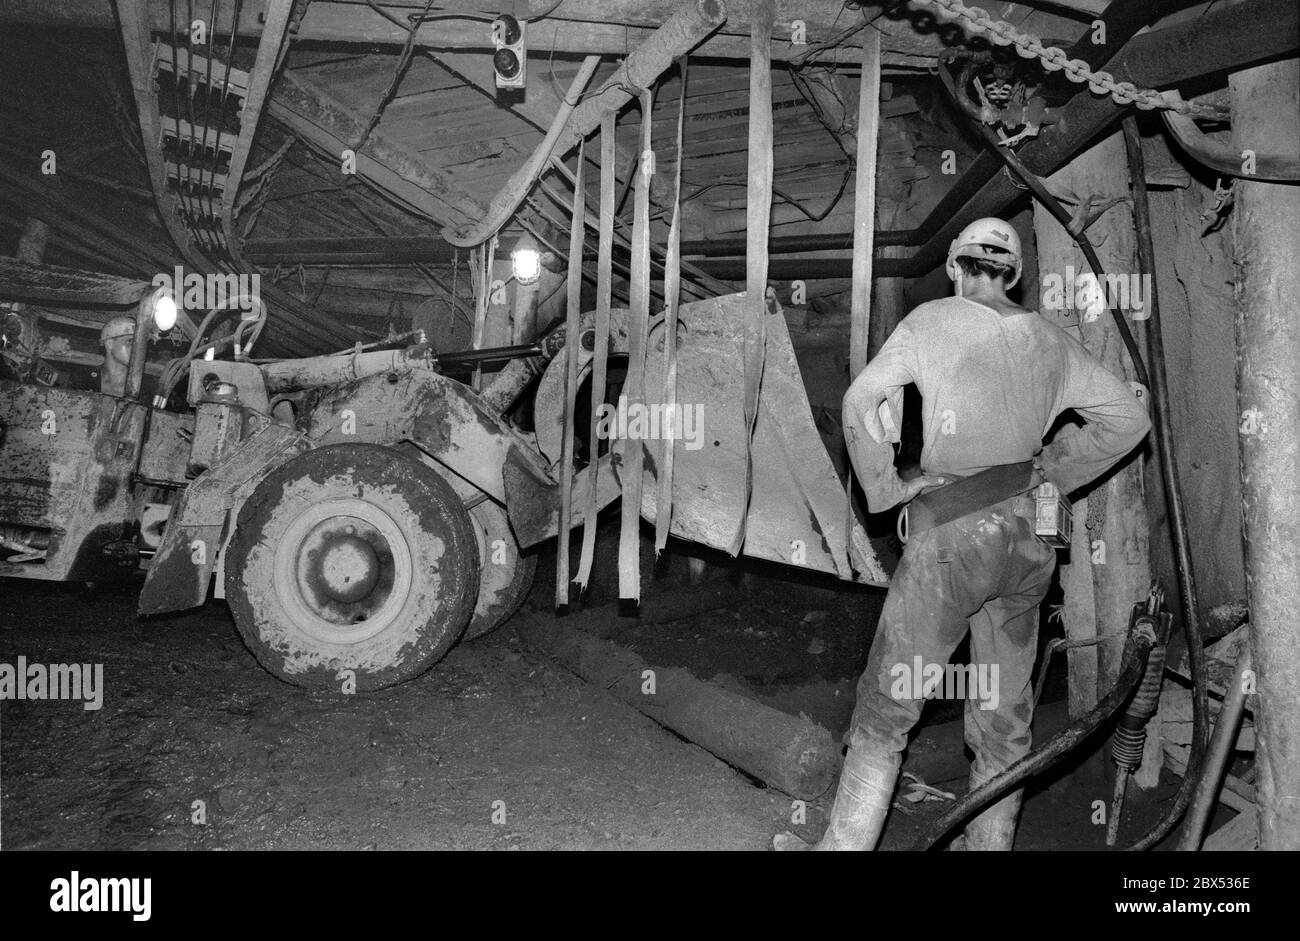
{"x": 343, "y": 570}
{"x": 348, "y": 567}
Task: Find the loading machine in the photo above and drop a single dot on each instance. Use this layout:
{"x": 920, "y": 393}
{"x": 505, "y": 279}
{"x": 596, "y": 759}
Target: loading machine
{"x": 361, "y": 512}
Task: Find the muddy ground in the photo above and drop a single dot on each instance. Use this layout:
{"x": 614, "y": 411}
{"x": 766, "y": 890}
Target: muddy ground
{"x": 189, "y": 716}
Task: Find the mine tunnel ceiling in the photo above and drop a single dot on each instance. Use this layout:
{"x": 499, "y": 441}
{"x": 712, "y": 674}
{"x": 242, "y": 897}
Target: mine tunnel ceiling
{"x": 361, "y": 251}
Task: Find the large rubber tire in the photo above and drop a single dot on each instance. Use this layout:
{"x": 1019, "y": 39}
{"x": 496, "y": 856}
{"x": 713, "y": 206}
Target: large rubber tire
{"x": 351, "y": 557}
{"x": 505, "y": 573}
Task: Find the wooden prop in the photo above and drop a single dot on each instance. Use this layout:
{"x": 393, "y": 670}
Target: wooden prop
{"x": 790, "y": 753}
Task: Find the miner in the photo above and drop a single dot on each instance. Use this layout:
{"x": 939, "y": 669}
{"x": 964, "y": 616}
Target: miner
{"x": 117, "y": 338}
{"x": 993, "y": 377}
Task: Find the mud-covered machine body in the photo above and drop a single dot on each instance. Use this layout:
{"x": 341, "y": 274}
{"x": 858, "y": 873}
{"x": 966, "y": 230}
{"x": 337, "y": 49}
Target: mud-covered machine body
{"x": 361, "y": 512}
{"x": 349, "y": 508}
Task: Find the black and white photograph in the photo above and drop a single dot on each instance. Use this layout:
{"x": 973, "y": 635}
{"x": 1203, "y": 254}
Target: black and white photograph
{"x": 650, "y": 425}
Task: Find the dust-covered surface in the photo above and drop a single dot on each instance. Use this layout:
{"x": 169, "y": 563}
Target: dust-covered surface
{"x": 188, "y": 716}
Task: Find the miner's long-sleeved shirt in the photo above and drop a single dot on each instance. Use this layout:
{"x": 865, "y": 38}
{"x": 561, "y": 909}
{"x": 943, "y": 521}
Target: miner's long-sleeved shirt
{"x": 991, "y": 386}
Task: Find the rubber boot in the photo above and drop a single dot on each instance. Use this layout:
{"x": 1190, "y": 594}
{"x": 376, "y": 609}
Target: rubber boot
{"x": 862, "y": 802}
{"x": 995, "y": 828}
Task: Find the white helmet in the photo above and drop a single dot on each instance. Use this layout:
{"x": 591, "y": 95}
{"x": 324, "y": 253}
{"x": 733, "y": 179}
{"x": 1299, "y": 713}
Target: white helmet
{"x": 117, "y": 327}
{"x": 975, "y": 240}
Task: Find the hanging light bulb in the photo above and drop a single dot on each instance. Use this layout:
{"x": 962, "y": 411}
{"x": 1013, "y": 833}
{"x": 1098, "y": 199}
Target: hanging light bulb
{"x": 164, "y": 311}
{"x": 526, "y": 260}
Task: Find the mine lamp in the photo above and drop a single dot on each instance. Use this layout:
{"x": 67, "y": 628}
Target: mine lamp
{"x": 164, "y": 311}
{"x": 509, "y": 56}
{"x": 526, "y": 260}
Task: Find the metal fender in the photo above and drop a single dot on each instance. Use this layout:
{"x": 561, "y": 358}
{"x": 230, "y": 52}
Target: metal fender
{"x": 200, "y": 524}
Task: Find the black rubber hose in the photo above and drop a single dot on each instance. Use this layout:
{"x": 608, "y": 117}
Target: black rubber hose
{"x": 1173, "y": 496}
{"x": 1162, "y": 425}
{"x": 1173, "y": 491}
{"x": 1132, "y": 669}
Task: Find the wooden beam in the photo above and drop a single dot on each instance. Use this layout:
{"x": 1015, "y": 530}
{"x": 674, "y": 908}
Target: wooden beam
{"x": 313, "y": 115}
{"x": 608, "y": 27}
{"x": 26, "y": 278}
{"x": 136, "y": 41}
{"x": 42, "y": 201}
{"x": 513, "y": 192}
{"x": 822, "y": 17}
{"x": 693, "y": 21}
{"x": 600, "y": 36}
{"x": 611, "y": 27}
{"x": 538, "y": 108}
{"x": 309, "y": 330}
{"x": 352, "y": 251}
{"x": 1224, "y": 40}
{"x": 275, "y": 23}
{"x": 790, "y": 753}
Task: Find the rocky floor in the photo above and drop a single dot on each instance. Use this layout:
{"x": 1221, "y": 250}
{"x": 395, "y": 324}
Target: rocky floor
{"x": 197, "y": 747}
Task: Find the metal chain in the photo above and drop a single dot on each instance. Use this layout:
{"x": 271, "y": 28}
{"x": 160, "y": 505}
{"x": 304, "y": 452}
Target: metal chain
{"x": 1054, "y": 59}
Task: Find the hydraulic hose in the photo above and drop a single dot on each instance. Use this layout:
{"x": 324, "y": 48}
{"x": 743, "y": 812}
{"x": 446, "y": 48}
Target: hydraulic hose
{"x": 178, "y": 366}
{"x": 1128, "y": 742}
{"x": 1132, "y": 669}
{"x": 1157, "y": 383}
{"x": 1174, "y": 502}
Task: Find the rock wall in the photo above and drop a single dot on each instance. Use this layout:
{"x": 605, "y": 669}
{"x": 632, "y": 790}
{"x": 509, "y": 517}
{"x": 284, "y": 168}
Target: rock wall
{"x": 1194, "y": 276}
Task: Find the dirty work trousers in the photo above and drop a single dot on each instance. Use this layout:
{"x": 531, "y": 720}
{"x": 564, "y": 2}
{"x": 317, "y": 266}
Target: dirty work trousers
{"x": 985, "y": 573}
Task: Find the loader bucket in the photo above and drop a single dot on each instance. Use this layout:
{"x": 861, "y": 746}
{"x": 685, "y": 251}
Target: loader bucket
{"x": 798, "y": 511}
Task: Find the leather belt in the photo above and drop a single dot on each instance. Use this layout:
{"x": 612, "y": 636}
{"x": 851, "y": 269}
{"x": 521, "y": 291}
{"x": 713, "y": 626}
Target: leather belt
{"x": 968, "y": 495}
